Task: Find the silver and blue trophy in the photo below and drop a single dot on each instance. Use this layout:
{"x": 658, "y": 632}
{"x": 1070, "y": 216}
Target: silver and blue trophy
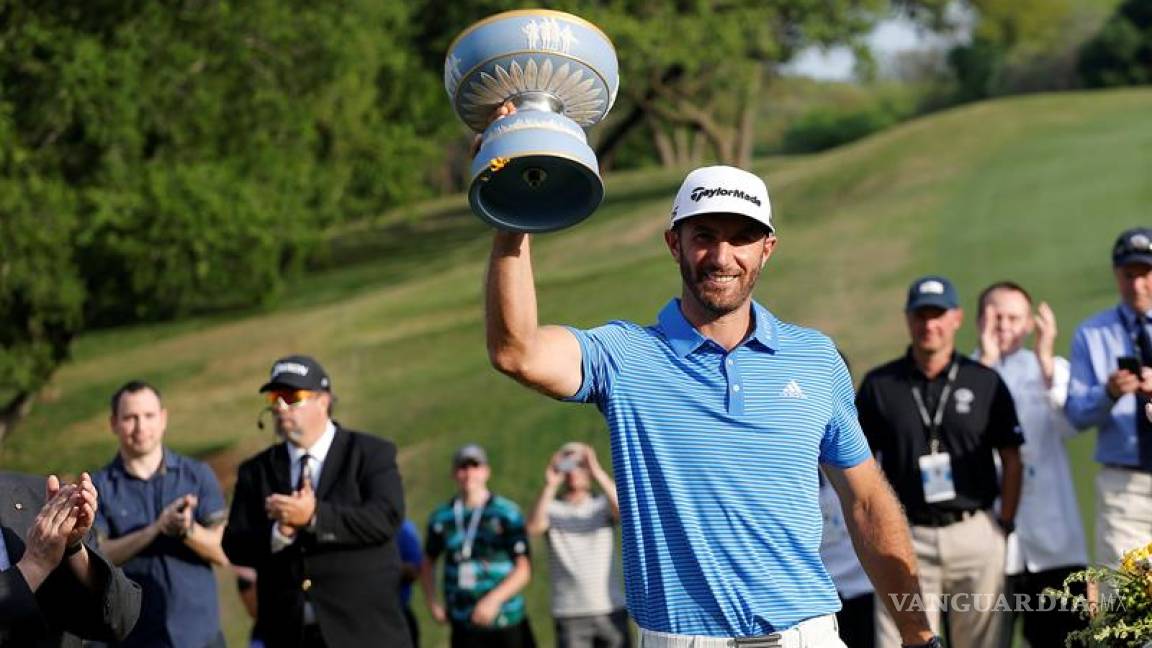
{"x": 534, "y": 171}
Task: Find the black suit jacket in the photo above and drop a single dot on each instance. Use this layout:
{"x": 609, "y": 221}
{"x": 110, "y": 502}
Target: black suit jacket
{"x": 347, "y": 566}
{"x": 62, "y": 610}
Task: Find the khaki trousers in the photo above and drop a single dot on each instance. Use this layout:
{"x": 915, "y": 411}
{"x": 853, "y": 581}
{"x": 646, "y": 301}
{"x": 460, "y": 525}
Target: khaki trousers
{"x": 962, "y": 570}
{"x": 1123, "y": 513}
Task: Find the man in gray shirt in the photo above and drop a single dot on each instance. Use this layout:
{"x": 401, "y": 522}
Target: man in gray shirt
{"x": 587, "y": 599}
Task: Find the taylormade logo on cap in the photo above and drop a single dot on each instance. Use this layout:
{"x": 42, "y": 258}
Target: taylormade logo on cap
{"x": 701, "y": 192}
{"x": 722, "y": 190}
{"x": 289, "y": 367}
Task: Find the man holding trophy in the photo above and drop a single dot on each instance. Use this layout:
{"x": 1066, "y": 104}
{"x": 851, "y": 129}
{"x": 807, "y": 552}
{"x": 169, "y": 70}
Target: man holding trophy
{"x": 720, "y": 414}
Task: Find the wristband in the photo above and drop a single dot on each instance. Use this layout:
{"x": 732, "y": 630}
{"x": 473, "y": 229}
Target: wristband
{"x": 72, "y": 550}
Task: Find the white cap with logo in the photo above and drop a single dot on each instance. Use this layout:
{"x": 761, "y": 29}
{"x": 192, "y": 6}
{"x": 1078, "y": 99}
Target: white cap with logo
{"x": 723, "y": 190}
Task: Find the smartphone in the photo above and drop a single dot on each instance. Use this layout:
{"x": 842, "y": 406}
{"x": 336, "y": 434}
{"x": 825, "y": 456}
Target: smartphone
{"x": 1129, "y": 363}
{"x": 567, "y": 464}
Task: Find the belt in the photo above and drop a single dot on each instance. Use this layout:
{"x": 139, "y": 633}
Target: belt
{"x": 940, "y": 518}
{"x": 1135, "y": 469}
{"x": 810, "y": 632}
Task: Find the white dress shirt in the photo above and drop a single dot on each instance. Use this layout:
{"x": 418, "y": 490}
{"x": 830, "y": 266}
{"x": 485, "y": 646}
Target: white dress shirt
{"x": 1048, "y": 527}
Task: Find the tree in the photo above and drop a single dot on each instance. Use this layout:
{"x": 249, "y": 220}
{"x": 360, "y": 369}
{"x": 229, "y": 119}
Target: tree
{"x": 1121, "y": 53}
{"x": 162, "y": 159}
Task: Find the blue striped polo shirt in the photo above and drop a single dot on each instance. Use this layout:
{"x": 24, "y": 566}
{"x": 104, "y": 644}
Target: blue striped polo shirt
{"x": 715, "y": 454}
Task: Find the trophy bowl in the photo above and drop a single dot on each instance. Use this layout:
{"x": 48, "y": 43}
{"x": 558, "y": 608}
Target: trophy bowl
{"x": 534, "y": 171}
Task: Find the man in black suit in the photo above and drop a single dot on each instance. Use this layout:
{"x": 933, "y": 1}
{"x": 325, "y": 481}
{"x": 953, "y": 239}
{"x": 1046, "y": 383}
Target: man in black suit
{"x": 317, "y": 517}
{"x": 54, "y": 587}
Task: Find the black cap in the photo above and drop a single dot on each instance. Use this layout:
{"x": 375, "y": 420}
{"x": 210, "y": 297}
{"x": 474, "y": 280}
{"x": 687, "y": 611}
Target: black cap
{"x": 1133, "y": 246}
{"x": 297, "y": 372}
{"x": 931, "y": 291}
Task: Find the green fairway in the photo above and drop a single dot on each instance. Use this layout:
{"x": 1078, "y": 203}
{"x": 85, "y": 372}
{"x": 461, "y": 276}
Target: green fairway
{"x": 1031, "y": 189}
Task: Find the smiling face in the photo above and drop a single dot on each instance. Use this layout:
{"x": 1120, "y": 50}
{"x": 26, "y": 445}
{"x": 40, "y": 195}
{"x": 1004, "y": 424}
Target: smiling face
{"x": 720, "y": 258}
{"x": 1012, "y": 318}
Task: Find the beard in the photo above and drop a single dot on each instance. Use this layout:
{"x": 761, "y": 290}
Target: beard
{"x": 725, "y": 299}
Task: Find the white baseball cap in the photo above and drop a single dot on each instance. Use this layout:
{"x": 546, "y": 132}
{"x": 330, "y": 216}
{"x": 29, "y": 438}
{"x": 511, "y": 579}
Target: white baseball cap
{"x": 723, "y": 190}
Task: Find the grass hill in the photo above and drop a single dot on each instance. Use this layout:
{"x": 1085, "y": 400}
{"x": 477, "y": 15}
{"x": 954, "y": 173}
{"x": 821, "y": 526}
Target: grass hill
{"x": 1033, "y": 189}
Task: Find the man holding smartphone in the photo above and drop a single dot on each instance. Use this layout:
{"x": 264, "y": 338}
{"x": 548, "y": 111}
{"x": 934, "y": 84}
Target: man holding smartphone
{"x": 1110, "y": 387}
{"x": 587, "y": 592}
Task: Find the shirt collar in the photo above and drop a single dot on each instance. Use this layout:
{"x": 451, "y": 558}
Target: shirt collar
{"x": 684, "y": 338}
{"x": 171, "y": 461}
{"x": 319, "y": 450}
{"x": 1129, "y": 315}
{"x": 914, "y": 369}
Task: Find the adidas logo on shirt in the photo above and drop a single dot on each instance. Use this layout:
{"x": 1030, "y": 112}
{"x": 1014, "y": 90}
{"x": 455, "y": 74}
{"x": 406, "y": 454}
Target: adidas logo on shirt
{"x": 792, "y": 390}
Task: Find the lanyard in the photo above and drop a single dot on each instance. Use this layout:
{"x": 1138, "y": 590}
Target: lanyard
{"x": 473, "y": 526}
{"x": 933, "y": 425}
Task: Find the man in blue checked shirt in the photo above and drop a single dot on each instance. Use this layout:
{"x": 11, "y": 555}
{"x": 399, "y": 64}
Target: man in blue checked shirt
{"x": 720, "y": 415}
{"x": 1110, "y": 389}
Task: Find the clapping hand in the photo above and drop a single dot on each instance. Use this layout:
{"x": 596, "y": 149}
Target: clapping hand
{"x": 293, "y": 511}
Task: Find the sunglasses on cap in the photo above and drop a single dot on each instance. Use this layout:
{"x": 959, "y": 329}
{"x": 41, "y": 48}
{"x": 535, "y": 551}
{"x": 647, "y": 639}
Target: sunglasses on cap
{"x": 289, "y": 397}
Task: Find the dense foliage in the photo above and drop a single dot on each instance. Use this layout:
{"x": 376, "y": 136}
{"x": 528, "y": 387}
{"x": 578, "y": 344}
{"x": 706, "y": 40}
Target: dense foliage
{"x": 1121, "y": 54}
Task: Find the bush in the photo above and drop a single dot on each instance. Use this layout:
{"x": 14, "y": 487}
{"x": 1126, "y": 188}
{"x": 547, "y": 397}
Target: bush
{"x": 825, "y": 128}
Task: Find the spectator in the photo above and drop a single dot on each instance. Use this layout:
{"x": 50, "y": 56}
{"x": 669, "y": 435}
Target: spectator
{"x": 935, "y": 418}
{"x": 55, "y": 588}
{"x": 317, "y": 517}
{"x": 587, "y": 600}
{"x": 481, "y": 537}
{"x": 161, "y": 518}
{"x": 411, "y": 559}
{"x": 855, "y": 619}
{"x": 1048, "y": 544}
{"x": 720, "y": 415}
{"x": 1110, "y": 388}
{"x": 246, "y": 588}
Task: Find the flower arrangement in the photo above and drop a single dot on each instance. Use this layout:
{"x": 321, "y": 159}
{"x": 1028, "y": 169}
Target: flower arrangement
{"x": 1123, "y": 615}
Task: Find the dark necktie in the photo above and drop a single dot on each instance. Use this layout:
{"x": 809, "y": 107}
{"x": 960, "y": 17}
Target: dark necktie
{"x": 305, "y": 471}
{"x": 1143, "y": 425}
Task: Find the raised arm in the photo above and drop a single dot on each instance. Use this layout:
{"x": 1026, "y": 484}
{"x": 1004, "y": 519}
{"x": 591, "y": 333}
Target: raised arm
{"x": 880, "y": 535}
{"x": 545, "y": 358}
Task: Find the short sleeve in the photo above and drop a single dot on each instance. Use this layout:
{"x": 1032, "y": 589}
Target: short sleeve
{"x": 600, "y": 350}
{"x": 515, "y": 538}
{"x": 843, "y": 444}
{"x": 211, "y": 510}
{"x": 1003, "y": 425}
{"x": 409, "y": 543}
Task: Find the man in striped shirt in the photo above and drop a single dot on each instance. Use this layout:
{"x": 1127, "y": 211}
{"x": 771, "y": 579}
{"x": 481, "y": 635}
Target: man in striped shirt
{"x": 719, "y": 416}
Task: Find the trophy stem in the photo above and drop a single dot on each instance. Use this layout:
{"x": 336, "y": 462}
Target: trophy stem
{"x": 537, "y": 100}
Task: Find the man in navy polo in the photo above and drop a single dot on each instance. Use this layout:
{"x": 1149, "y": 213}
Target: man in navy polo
{"x": 720, "y": 415}
{"x": 161, "y": 517}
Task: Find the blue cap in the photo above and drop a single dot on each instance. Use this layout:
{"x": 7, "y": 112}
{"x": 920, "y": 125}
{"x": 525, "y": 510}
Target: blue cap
{"x": 931, "y": 291}
{"x": 1133, "y": 246}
